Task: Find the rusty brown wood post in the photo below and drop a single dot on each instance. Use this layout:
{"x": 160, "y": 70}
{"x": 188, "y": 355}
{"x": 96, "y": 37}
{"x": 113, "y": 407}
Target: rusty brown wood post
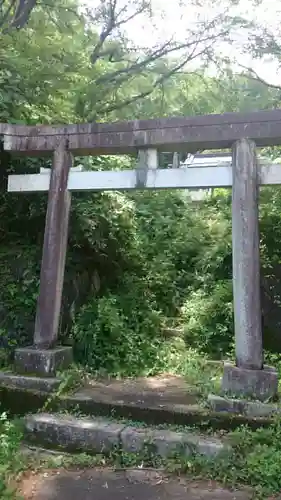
{"x": 54, "y": 251}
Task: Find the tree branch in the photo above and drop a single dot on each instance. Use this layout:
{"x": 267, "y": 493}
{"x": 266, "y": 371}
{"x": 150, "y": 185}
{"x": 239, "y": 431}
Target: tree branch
{"x": 16, "y": 14}
{"x": 22, "y": 13}
{"x": 112, "y": 22}
{"x": 5, "y": 17}
{"x": 158, "y": 81}
{"x": 253, "y": 75}
{"x": 122, "y": 74}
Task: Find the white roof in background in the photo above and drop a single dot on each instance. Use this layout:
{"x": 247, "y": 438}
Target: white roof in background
{"x": 209, "y": 160}
{"x": 215, "y": 160}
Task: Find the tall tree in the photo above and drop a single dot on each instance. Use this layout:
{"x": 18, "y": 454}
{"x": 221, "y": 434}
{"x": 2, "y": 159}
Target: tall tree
{"x": 118, "y": 72}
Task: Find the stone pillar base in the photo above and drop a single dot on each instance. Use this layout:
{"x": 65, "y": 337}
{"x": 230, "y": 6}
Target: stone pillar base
{"x": 42, "y": 362}
{"x": 257, "y": 384}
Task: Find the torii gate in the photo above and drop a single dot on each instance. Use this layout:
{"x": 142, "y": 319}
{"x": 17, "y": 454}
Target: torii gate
{"x": 240, "y": 131}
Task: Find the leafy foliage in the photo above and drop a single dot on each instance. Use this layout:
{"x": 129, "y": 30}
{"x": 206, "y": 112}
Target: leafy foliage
{"x": 10, "y": 457}
{"x": 19, "y": 272}
{"x": 151, "y": 287}
{"x": 255, "y": 461}
{"x": 136, "y": 263}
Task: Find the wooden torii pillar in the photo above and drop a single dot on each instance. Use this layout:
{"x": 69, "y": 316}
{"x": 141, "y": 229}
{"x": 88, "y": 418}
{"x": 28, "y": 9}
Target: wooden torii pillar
{"x": 54, "y": 251}
{"x": 248, "y": 376}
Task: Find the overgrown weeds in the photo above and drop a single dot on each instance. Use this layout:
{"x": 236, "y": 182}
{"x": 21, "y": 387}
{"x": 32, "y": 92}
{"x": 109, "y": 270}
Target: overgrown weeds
{"x": 254, "y": 462}
{"x": 11, "y": 459}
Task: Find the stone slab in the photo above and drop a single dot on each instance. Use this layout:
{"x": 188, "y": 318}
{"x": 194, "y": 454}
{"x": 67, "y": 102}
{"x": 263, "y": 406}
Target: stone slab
{"x": 257, "y": 384}
{"x": 67, "y": 432}
{"x": 42, "y": 362}
{"x": 134, "y": 439}
{"x": 242, "y": 406}
{"x": 168, "y": 443}
{"x": 47, "y": 384}
{"x": 106, "y": 484}
{"x": 103, "y": 436}
{"x": 160, "y": 391}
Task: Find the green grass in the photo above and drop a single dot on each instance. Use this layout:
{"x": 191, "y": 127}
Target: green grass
{"x": 11, "y": 460}
{"x": 255, "y": 460}
{"x": 203, "y": 376}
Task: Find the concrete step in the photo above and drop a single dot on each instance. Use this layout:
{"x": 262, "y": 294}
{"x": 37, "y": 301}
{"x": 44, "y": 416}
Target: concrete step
{"x": 132, "y": 484}
{"x": 31, "y": 383}
{"x": 98, "y": 435}
{"x": 155, "y": 400}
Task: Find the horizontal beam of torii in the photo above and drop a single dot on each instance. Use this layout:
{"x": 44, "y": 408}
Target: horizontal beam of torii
{"x": 187, "y": 134}
{"x": 125, "y": 180}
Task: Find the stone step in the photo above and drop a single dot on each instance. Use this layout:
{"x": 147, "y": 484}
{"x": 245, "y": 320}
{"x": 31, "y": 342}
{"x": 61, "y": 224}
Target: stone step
{"x": 131, "y": 483}
{"x": 250, "y": 409}
{"x": 97, "y": 435}
{"x": 30, "y": 383}
{"x": 156, "y": 400}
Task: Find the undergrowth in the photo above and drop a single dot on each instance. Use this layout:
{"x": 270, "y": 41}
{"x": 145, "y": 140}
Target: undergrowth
{"x": 255, "y": 462}
{"x": 201, "y": 375}
{"x": 11, "y": 459}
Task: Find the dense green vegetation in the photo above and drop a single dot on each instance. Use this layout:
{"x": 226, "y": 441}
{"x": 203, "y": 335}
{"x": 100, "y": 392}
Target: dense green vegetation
{"x": 139, "y": 263}
{"x": 142, "y": 263}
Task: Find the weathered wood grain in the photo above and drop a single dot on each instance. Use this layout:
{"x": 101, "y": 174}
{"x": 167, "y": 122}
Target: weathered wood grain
{"x": 169, "y": 134}
{"x": 246, "y": 261}
{"x": 54, "y": 251}
{"x": 132, "y": 125}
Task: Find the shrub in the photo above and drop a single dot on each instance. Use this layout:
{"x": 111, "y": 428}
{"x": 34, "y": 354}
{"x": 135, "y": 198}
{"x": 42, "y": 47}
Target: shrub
{"x": 208, "y": 319}
{"x": 119, "y": 333}
{"x": 10, "y": 456}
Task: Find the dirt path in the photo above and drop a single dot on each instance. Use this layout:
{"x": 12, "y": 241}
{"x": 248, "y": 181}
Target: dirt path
{"x": 105, "y": 484}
